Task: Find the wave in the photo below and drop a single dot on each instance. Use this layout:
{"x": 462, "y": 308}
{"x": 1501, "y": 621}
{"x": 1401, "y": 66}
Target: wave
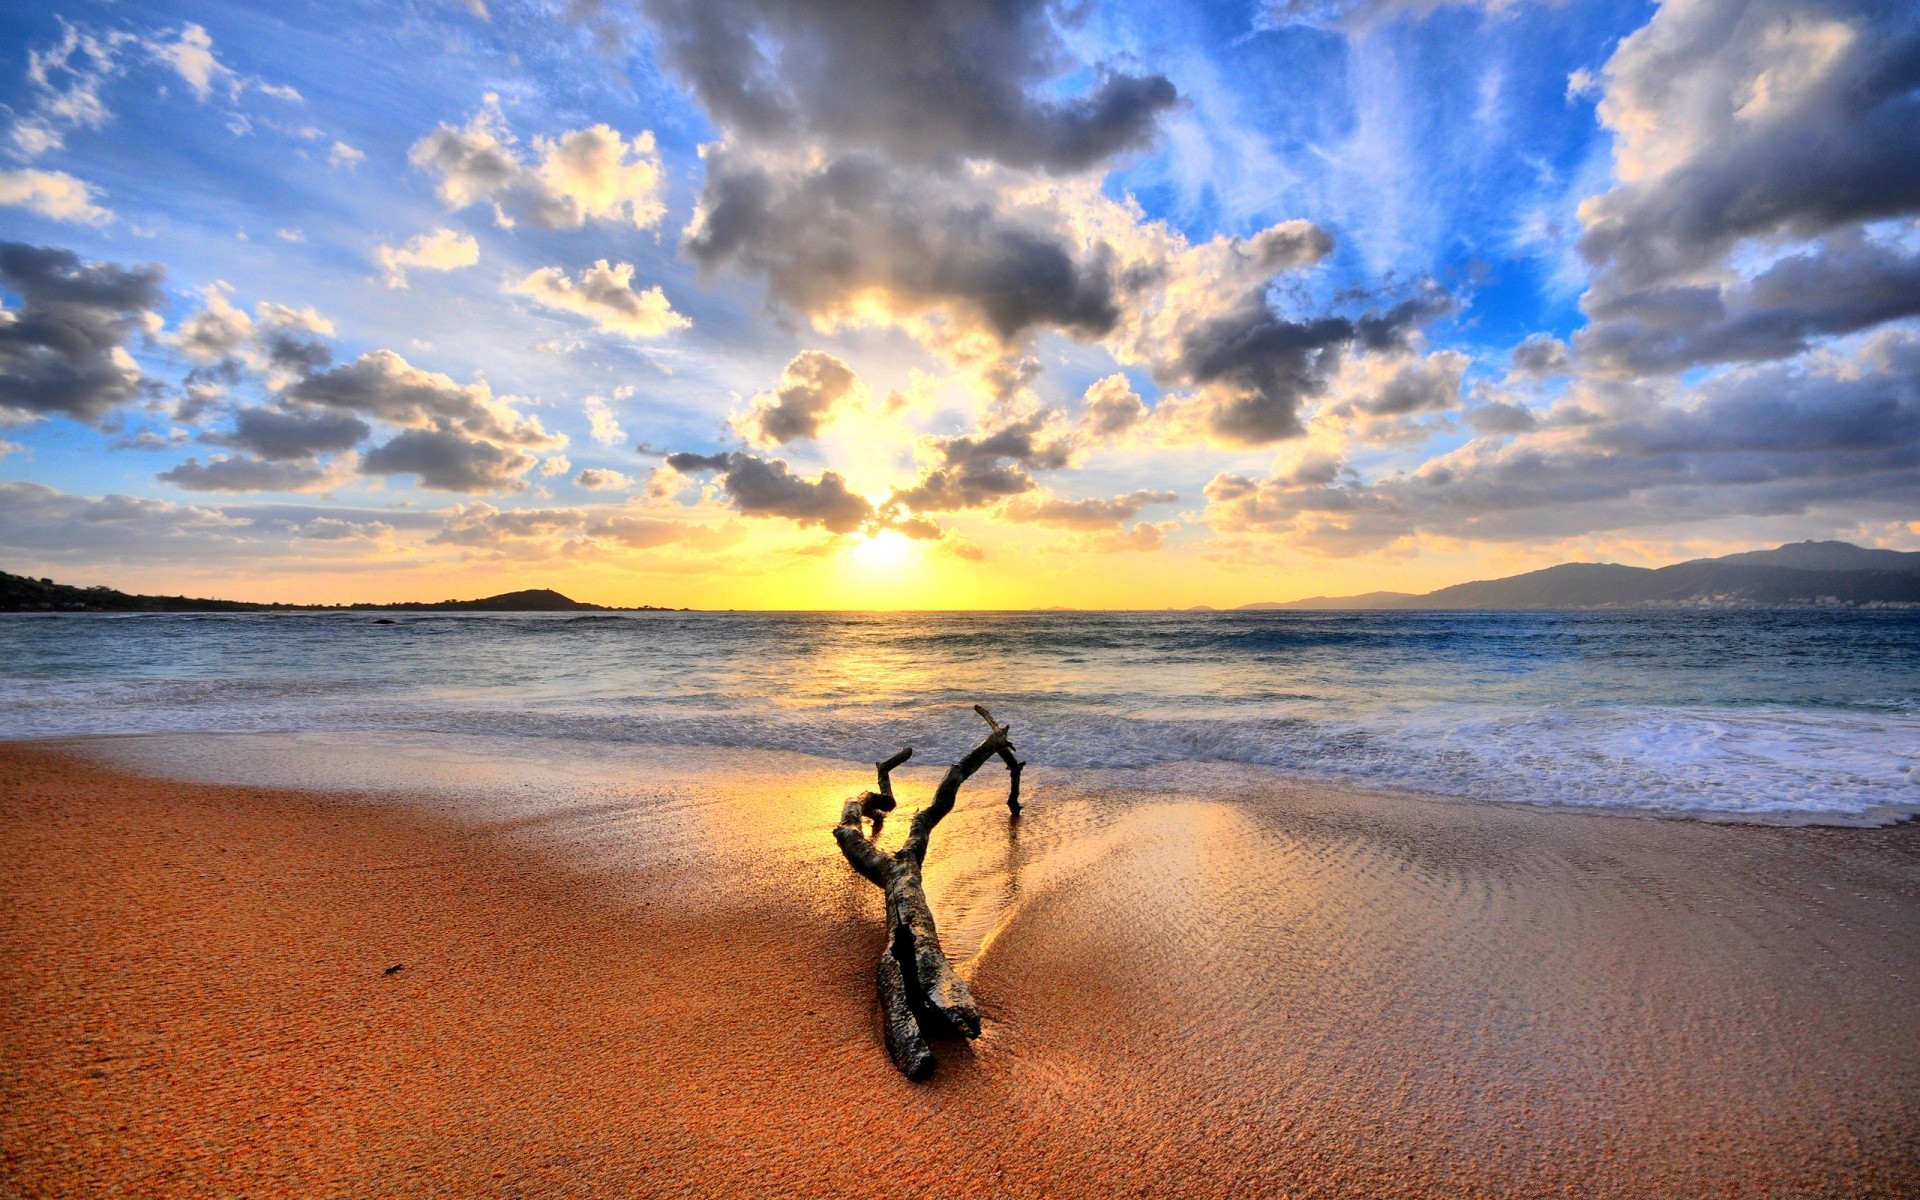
{"x": 1760, "y": 717}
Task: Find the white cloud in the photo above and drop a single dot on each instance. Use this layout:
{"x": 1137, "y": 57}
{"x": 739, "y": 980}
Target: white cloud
{"x": 343, "y": 155}
{"x": 593, "y": 173}
{"x": 53, "y": 194}
{"x": 606, "y": 295}
{"x": 606, "y": 428}
{"x": 191, "y": 55}
{"x": 442, "y": 250}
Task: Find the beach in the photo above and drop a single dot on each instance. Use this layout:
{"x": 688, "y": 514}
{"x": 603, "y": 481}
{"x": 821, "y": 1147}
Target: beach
{"x": 1194, "y": 983}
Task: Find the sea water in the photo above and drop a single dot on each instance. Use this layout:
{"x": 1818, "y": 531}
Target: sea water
{"x": 1771, "y": 715}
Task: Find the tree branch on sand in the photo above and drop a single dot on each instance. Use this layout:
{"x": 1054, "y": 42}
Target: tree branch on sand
{"x": 920, "y": 995}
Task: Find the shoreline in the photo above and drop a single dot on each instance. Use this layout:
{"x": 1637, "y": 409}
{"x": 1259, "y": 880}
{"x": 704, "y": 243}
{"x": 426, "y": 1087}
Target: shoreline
{"x": 1238, "y": 774}
{"x": 1296, "y": 990}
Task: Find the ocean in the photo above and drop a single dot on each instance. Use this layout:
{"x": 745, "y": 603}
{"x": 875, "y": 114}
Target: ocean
{"x": 1790, "y": 715}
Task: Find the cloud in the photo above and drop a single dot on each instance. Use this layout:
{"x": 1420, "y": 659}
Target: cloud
{"x": 45, "y": 520}
{"x": 813, "y": 387}
{"x": 583, "y": 174}
{"x": 279, "y": 434}
{"x": 64, "y": 350}
{"x": 191, "y": 56}
{"x": 975, "y": 470}
{"x": 852, "y": 240}
{"x": 458, "y": 438}
{"x": 1541, "y": 356}
{"x": 1499, "y": 416}
{"x": 50, "y": 525}
{"x": 1255, "y": 369}
{"x": 53, "y": 194}
{"x": 343, "y": 155}
{"x": 1110, "y": 408}
{"x": 385, "y": 386}
{"x": 1090, "y": 513}
{"x": 1758, "y": 441}
{"x": 605, "y": 296}
{"x": 921, "y": 81}
{"x": 1841, "y": 284}
{"x": 442, "y": 250}
{"x": 244, "y": 473}
{"x": 948, "y": 186}
{"x": 597, "y": 480}
{"x": 279, "y": 341}
{"x": 333, "y": 529}
{"x": 450, "y": 461}
{"x": 1390, "y": 387}
{"x": 760, "y": 487}
{"x": 1742, "y": 128}
{"x": 217, "y": 331}
{"x": 546, "y": 531}
{"x": 605, "y": 426}
{"x": 66, "y": 80}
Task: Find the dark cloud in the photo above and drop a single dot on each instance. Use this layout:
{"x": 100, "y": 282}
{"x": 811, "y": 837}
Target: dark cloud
{"x": 981, "y": 469}
{"x": 244, "y": 473}
{"x": 385, "y": 386}
{"x": 63, "y": 351}
{"x": 1742, "y": 126}
{"x": 921, "y": 81}
{"x": 826, "y": 237}
{"x": 761, "y": 487}
{"x": 279, "y": 434}
{"x": 450, "y": 461}
{"x": 1755, "y": 118}
{"x": 1840, "y": 285}
{"x": 1762, "y": 441}
{"x": 810, "y": 388}
{"x": 295, "y": 353}
{"x": 1541, "y": 357}
{"x": 1256, "y": 368}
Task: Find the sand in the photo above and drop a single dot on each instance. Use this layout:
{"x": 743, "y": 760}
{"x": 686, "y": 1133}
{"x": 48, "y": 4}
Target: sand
{"x": 1220, "y": 988}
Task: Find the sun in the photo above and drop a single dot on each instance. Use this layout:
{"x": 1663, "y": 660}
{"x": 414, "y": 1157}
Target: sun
{"x": 886, "y": 550}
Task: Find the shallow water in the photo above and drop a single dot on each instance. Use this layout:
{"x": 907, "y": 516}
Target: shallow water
{"x": 1789, "y": 715}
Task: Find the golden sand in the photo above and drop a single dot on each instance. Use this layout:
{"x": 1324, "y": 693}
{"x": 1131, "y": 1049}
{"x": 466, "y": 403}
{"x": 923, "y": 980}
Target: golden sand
{"x": 1291, "y": 992}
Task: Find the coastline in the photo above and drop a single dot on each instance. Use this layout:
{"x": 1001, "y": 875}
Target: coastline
{"x": 1291, "y": 990}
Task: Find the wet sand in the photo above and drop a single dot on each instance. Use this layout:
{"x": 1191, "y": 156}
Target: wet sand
{"x": 1216, "y": 988}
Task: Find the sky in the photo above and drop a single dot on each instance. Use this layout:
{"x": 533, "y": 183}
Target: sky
{"x": 949, "y": 303}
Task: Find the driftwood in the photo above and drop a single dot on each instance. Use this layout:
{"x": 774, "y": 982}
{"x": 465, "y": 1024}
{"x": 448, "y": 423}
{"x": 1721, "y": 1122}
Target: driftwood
{"x": 920, "y": 995}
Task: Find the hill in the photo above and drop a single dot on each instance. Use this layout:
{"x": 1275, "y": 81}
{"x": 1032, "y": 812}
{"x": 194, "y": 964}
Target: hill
{"x": 19, "y": 593}
{"x": 1804, "y": 574}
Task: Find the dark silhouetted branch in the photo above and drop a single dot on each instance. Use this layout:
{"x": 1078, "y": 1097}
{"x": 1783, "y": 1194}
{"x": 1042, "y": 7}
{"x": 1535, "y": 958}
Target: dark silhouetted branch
{"x": 920, "y": 994}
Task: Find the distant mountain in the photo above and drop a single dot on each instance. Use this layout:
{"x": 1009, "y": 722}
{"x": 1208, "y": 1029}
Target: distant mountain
{"x": 1803, "y": 574}
{"x": 1827, "y": 556}
{"x": 18, "y": 593}
{"x": 1364, "y": 600}
{"x": 530, "y": 600}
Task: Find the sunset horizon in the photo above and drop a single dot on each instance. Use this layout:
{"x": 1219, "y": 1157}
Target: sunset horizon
{"x": 960, "y": 599}
{"x": 1149, "y": 336}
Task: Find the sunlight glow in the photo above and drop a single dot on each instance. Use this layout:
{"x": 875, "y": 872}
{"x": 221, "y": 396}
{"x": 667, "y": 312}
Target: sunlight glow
{"x": 888, "y": 550}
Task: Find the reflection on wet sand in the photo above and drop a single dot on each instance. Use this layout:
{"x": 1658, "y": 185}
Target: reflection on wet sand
{"x": 1195, "y": 982}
